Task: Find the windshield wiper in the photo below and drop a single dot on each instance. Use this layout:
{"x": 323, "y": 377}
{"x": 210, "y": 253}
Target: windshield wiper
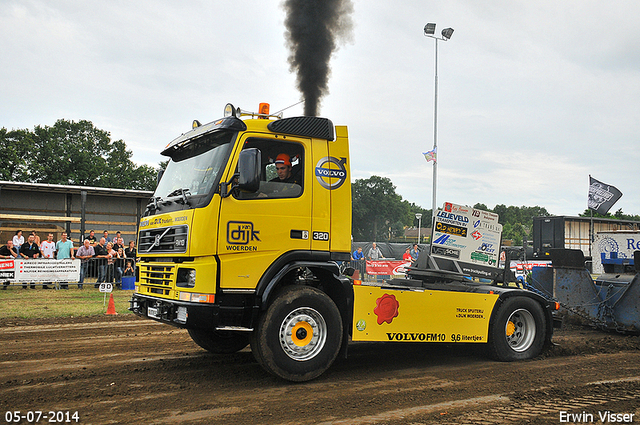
{"x": 183, "y": 193}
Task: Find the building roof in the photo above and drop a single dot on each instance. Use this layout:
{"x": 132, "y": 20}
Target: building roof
{"x": 105, "y": 191}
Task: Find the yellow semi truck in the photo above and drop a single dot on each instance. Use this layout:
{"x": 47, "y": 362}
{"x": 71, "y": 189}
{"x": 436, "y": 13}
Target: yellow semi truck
{"x": 242, "y": 240}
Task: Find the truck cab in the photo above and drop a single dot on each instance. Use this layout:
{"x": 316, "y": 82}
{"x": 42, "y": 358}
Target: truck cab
{"x": 223, "y": 233}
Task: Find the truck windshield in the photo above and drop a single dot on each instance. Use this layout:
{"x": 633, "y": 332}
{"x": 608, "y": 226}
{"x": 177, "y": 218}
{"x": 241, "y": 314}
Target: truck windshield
{"x": 193, "y": 172}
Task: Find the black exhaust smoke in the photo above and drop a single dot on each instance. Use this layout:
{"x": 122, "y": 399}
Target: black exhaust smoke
{"x": 314, "y": 29}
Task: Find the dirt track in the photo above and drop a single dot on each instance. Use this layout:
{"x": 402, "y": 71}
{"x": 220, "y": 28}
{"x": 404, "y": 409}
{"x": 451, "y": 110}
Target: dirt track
{"x": 133, "y": 371}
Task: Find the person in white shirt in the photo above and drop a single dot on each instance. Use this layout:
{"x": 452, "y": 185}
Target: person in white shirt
{"x": 48, "y": 247}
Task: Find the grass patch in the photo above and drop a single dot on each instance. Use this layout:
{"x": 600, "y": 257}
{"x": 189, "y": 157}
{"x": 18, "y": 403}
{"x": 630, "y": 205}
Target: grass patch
{"x": 45, "y": 303}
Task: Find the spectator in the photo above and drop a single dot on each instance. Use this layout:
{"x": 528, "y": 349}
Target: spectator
{"x": 18, "y": 240}
{"x": 85, "y": 253}
{"x": 36, "y": 237}
{"x": 374, "y": 252}
{"x": 357, "y": 257}
{"x": 101, "y": 253}
{"x": 30, "y": 250}
{"x": 116, "y": 244}
{"x": 120, "y": 257}
{"x": 128, "y": 270}
{"x": 8, "y": 251}
{"x": 407, "y": 255}
{"x": 48, "y": 248}
{"x": 64, "y": 250}
{"x": 106, "y": 237}
{"x": 415, "y": 252}
{"x": 111, "y": 259}
{"x": 92, "y": 238}
{"x": 130, "y": 251}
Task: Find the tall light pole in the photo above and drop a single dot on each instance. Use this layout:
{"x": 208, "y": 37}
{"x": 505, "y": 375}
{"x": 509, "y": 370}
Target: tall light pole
{"x": 429, "y": 31}
{"x": 419, "y": 217}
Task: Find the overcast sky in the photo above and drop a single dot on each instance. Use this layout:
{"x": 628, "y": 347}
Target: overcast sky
{"x": 533, "y": 95}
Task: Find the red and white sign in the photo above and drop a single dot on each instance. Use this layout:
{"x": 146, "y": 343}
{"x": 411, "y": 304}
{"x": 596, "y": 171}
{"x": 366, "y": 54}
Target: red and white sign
{"x": 387, "y": 267}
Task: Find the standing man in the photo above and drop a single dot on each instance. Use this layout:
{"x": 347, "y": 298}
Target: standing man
{"x": 92, "y": 238}
{"x": 48, "y": 248}
{"x": 85, "y": 253}
{"x": 101, "y": 253}
{"x": 357, "y": 257}
{"x": 64, "y": 250}
{"x": 374, "y": 252}
{"x": 30, "y": 250}
{"x": 8, "y": 251}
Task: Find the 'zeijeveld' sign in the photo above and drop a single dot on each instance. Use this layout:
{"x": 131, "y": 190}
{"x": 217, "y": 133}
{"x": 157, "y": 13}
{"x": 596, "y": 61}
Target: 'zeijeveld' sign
{"x": 40, "y": 270}
{"x": 467, "y": 235}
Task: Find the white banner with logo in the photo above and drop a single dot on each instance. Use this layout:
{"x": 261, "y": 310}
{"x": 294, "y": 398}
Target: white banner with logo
{"x": 40, "y": 270}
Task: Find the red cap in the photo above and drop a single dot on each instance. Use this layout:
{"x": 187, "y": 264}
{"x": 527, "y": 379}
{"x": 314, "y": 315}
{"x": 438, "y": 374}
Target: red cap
{"x": 283, "y": 158}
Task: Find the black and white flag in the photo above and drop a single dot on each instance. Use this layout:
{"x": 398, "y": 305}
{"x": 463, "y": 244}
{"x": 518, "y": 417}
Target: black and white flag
{"x": 602, "y": 196}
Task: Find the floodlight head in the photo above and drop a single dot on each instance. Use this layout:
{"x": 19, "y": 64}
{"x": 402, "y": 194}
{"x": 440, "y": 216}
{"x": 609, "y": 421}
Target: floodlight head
{"x": 429, "y": 29}
{"x": 446, "y": 33}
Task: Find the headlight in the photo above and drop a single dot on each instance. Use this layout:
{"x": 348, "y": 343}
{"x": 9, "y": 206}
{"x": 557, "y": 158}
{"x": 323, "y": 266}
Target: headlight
{"x": 186, "y": 278}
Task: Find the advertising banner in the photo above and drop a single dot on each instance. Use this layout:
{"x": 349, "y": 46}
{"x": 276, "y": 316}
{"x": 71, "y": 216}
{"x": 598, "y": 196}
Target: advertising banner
{"x": 387, "y": 267}
{"x": 40, "y": 270}
{"x": 469, "y": 237}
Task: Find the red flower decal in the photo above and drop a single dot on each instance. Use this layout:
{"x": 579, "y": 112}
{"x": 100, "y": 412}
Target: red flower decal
{"x": 386, "y": 308}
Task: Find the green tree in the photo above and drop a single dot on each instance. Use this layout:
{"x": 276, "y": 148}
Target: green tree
{"x": 377, "y": 208}
{"x": 76, "y": 153}
{"x": 15, "y": 146}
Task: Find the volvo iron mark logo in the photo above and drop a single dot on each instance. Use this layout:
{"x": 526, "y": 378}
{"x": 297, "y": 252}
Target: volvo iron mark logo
{"x": 331, "y": 177}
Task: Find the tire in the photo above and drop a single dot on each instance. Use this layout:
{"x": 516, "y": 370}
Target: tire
{"x": 518, "y": 330}
{"x": 220, "y": 342}
{"x": 300, "y": 334}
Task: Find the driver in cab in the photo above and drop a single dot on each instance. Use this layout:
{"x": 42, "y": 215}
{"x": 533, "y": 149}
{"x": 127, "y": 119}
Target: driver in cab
{"x": 283, "y": 169}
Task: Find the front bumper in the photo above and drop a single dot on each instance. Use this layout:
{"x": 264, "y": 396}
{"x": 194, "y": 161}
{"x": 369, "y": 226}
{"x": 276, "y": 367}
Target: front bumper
{"x": 177, "y": 313}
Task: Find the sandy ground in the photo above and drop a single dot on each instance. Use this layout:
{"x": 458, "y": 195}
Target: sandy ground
{"x": 128, "y": 370}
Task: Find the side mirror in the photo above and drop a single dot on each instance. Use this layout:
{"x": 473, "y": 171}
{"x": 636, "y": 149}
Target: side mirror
{"x": 249, "y": 169}
{"x": 159, "y": 176}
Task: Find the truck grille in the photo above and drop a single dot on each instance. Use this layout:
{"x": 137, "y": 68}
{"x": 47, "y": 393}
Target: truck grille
{"x": 154, "y": 274}
{"x": 166, "y": 239}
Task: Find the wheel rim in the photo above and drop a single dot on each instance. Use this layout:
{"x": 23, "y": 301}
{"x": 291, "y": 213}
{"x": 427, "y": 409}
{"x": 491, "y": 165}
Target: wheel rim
{"x": 303, "y": 333}
{"x": 520, "y": 330}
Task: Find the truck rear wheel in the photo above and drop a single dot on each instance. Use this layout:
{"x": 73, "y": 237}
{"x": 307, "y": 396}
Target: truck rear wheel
{"x": 518, "y": 330}
{"x": 220, "y": 342}
{"x": 300, "y": 334}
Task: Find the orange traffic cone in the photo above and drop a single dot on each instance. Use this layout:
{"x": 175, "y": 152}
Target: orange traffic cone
{"x": 111, "y": 308}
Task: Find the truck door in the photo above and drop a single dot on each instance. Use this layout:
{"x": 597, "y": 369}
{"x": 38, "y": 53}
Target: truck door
{"x": 257, "y": 228}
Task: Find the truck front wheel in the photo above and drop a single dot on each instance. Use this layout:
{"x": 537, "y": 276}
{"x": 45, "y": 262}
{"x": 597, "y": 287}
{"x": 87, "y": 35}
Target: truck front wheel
{"x": 220, "y": 342}
{"x": 518, "y": 330}
{"x": 300, "y": 334}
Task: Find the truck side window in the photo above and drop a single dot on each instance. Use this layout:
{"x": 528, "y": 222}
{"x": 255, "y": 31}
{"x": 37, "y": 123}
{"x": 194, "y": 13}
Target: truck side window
{"x": 282, "y": 169}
